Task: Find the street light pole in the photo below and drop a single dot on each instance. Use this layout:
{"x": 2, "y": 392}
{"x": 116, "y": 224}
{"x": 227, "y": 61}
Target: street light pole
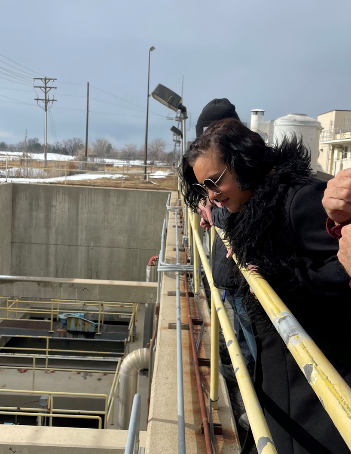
{"x": 147, "y": 114}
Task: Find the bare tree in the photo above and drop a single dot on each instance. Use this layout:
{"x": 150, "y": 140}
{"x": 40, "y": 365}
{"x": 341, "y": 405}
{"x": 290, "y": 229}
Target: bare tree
{"x": 101, "y": 147}
{"x": 156, "y": 149}
{"x": 73, "y": 145}
{"x": 129, "y": 151}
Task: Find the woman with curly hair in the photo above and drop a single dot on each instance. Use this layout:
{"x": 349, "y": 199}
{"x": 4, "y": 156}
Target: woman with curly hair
{"x": 280, "y": 228}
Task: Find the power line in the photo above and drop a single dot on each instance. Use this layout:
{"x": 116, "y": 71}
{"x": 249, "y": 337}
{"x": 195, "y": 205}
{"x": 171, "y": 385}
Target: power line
{"x": 15, "y": 76}
{"x": 17, "y": 100}
{"x": 21, "y": 65}
{"x": 113, "y": 104}
{"x": 121, "y": 99}
{"x": 70, "y": 83}
{"x": 15, "y": 82}
{"x": 11, "y": 66}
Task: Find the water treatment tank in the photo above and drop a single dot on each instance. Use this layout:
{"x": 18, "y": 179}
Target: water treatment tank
{"x": 300, "y": 125}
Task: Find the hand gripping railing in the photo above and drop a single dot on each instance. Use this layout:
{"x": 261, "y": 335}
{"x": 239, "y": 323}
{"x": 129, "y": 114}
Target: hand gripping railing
{"x": 326, "y": 382}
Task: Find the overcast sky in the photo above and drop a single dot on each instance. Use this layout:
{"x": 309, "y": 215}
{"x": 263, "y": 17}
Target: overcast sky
{"x": 274, "y": 55}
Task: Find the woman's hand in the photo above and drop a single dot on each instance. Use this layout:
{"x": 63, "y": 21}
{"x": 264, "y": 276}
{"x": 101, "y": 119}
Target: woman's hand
{"x": 337, "y": 197}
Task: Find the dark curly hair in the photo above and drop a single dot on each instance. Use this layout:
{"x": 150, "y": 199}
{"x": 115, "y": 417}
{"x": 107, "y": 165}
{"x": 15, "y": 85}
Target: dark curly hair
{"x": 239, "y": 148}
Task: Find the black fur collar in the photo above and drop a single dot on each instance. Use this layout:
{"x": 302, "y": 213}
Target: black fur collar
{"x": 260, "y": 235}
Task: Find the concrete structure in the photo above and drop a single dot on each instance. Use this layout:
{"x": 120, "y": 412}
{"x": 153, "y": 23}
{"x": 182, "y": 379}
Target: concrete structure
{"x": 65, "y": 440}
{"x": 302, "y": 126}
{"x": 81, "y": 232}
{"x": 78, "y": 289}
{"x": 335, "y": 141}
{"x": 39, "y": 234}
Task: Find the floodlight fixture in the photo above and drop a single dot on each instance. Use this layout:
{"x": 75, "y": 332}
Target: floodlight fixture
{"x": 176, "y": 131}
{"x": 152, "y": 48}
{"x": 168, "y": 98}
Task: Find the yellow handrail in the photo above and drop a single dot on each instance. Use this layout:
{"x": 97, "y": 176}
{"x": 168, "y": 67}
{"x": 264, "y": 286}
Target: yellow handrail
{"x": 326, "y": 382}
{"x": 260, "y": 430}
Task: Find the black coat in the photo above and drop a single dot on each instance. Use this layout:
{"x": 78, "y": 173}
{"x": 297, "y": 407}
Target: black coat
{"x": 222, "y": 267}
{"x": 282, "y": 230}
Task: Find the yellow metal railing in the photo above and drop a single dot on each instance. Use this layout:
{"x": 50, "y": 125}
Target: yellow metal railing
{"x": 323, "y": 378}
{"x": 52, "y": 308}
{"x": 254, "y": 412}
{"x": 326, "y": 382}
{"x": 51, "y": 412}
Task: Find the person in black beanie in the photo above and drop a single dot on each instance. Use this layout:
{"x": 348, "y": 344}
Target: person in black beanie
{"x": 222, "y": 263}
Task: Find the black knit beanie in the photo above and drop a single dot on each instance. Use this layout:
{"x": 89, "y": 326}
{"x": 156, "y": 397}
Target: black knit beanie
{"x": 218, "y": 109}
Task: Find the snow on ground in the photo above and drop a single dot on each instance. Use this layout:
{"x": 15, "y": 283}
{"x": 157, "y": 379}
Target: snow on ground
{"x": 79, "y": 177}
{"x": 14, "y": 155}
{"x": 159, "y": 174}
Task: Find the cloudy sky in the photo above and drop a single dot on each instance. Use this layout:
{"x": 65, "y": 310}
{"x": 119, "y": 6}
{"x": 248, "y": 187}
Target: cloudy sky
{"x": 274, "y": 55}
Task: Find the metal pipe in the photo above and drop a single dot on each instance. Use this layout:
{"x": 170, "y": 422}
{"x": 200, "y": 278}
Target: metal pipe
{"x": 151, "y": 366}
{"x": 133, "y": 429}
{"x": 197, "y": 375}
{"x": 196, "y": 277}
{"x": 253, "y": 409}
{"x": 214, "y": 345}
{"x": 148, "y": 322}
{"x": 326, "y": 382}
{"x": 129, "y": 371}
{"x": 180, "y": 388}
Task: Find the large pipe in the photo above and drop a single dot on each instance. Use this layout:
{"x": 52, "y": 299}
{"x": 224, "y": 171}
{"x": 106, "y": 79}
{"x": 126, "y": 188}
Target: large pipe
{"x": 128, "y": 384}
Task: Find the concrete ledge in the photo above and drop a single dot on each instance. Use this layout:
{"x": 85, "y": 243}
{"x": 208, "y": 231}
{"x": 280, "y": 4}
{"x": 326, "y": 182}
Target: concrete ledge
{"x": 32, "y": 440}
{"x": 80, "y": 289}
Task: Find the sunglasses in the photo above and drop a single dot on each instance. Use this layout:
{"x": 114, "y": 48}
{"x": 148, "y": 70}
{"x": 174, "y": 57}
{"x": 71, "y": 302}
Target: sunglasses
{"x": 209, "y": 185}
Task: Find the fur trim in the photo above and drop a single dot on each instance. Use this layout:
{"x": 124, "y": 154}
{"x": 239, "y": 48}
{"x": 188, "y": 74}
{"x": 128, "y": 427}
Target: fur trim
{"x": 260, "y": 233}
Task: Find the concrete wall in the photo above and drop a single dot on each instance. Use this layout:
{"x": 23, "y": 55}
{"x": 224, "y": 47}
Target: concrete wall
{"x": 78, "y": 289}
{"x": 65, "y": 440}
{"x": 85, "y": 232}
{"x": 5, "y": 227}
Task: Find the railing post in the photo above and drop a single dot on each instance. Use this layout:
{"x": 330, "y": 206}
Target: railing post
{"x": 214, "y": 344}
{"x": 99, "y": 319}
{"x": 33, "y": 373}
{"x": 52, "y": 317}
{"x": 51, "y": 406}
{"x": 196, "y": 256}
{"x": 6, "y": 169}
{"x": 190, "y": 233}
{"x": 47, "y": 353}
{"x": 132, "y": 445}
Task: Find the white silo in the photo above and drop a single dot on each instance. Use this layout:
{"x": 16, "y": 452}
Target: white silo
{"x": 300, "y": 125}
{"x": 257, "y": 117}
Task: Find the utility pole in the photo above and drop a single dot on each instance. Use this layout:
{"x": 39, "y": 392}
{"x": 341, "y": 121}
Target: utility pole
{"x": 87, "y": 125}
{"x": 147, "y": 114}
{"x": 46, "y": 100}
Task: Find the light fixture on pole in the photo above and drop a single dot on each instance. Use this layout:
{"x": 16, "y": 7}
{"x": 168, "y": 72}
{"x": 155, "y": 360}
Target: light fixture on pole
{"x": 147, "y": 113}
{"x": 173, "y": 101}
{"x": 177, "y": 139}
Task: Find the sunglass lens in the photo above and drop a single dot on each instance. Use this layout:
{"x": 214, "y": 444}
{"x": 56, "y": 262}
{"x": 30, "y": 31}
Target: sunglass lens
{"x": 201, "y": 190}
{"x": 211, "y": 186}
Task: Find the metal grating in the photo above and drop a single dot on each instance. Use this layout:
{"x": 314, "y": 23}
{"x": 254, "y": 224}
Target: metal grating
{"x": 40, "y": 325}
